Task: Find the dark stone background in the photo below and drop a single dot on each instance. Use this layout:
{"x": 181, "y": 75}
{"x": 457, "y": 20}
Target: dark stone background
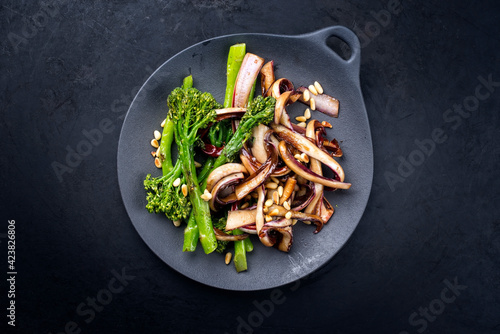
{"x": 84, "y": 62}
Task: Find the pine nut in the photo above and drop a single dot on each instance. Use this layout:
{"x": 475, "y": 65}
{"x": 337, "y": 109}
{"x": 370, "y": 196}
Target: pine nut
{"x": 280, "y": 191}
{"x": 268, "y": 203}
{"x": 297, "y": 156}
{"x": 157, "y": 135}
{"x": 184, "y": 189}
{"x": 288, "y": 215}
{"x": 303, "y": 124}
{"x": 276, "y": 198}
{"x": 265, "y": 209}
{"x": 312, "y": 104}
{"x": 177, "y": 223}
{"x": 268, "y": 218}
{"x": 300, "y": 119}
{"x": 153, "y": 154}
{"x": 154, "y": 143}
{"x": 197, "y": 164}
{"x": 286, "y": 205}
{"x": 275, "y": 180}
{"x": 318, "y": 87}
{"x": 306, "y": 96}
{"x": 157, "y": 163}
{"x": 207, "y": 196}
{"x": 307, "y": 113}
{"x": 271, "y": 185}
{"x": 326, "y": 124}
{"x": 294, "y": 221}
{"x": 229, "y": 255}
{"x": 304, "y": 157}
{"x": 177, "y": 182}
{"x": 312, "y": 89}
{"x": 274, "y": 212}
{"x": 244, "y": 206}
{"x": 163, "y": 123}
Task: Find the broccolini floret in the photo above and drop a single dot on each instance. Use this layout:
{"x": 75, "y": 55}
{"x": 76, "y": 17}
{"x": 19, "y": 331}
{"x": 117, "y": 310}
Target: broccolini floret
{"x": 192, "y": 110}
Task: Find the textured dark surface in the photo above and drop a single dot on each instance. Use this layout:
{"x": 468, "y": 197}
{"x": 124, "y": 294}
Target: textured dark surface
{"x": 439, "y": 223}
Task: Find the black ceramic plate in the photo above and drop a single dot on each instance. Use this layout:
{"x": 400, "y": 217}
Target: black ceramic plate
{"x": 303, "y": 59}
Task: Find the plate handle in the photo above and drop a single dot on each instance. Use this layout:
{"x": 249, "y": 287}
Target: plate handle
{"x": 348, "y": 36}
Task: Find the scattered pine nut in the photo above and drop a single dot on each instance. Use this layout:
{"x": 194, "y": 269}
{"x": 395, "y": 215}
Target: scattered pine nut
{"x": 163, "y": 123}
{"x": 318, "y": 87}
{"x": 286, "y": 205}
{"x": 265, "y": 209}
{"x": 302, "y": 124}
{"x": 300, "y": 118}
{"x": 294, "y": 221}
{"x": 157, "y": 163}
{"x": 154, "y": 143}
{"x": 275, "y": 180}
{"x": 184, "y": 189}
{"x": 271, "y": 185}
{"x": 177, "y": 223}
{"x": 197, "y": 164}
{"x": 297, "y": 156}
{"x": 304, "y": 157}
{"x": 268, "y": 218}
{"x": 269, "y": 202}
{"x": 312, "y": 89}
{"x": 229, "y": 255}
{"x": 306, "y": 96}
{"x": 274, "y": 212}
{"x": 244, "y": 206}
{"x": 280, "y": 191}
{"x": 307, "y": 113}
{"x": 207, "y": 196}
{"x": 157, "y": 135}
{"x": 326, "y": 124}
{"x": 153, "y": 154}
{"x": 312, "y": 104}
{"x": 288, "y": 215}
{"x": 276, "y": 198}
{"x": 177, "y": 182}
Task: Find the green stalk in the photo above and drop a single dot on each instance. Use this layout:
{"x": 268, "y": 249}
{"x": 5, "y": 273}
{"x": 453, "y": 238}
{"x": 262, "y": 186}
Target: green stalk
{"x": 240, "y": 255}
{"x": 248, "y": 244}
{"x": 252, "y": 93}
{"x": 234, "y": 59}
{"x": 167, "y": 138}
{"x": 191, "y": 235}
{"x": 201, "y": 210}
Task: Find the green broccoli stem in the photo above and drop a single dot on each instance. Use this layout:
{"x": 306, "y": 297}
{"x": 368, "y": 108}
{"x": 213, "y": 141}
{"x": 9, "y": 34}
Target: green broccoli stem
{"x": 191, "y": 235}
{"x": 167, "y": 138}
{"x": 248, "y": 244}
{"x": 234, "y": 59}
{"x": 240, "y": 254}
{"x": 252, "y": 93}
{"x": 201, "y": 210}
{"x": 205, "y": 171}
